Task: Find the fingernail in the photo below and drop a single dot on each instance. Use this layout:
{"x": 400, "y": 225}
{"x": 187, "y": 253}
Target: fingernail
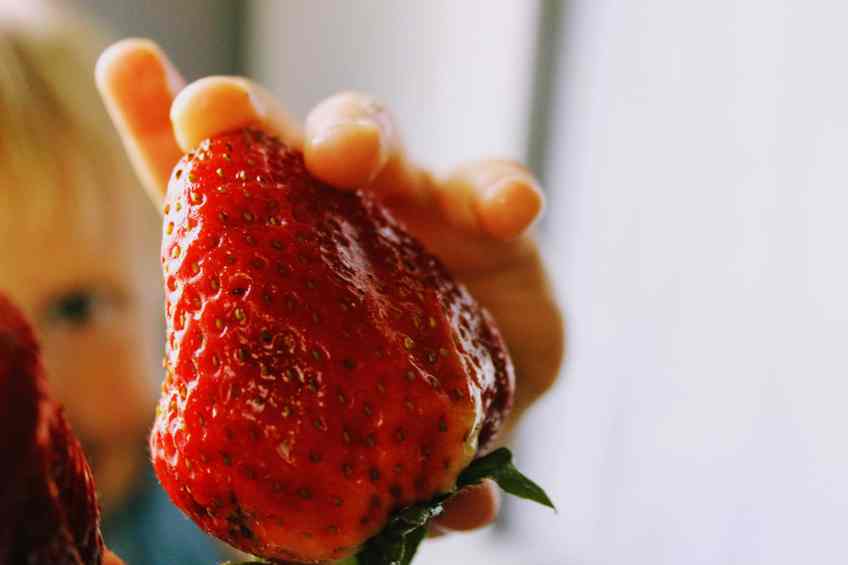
{"x": 509, "y": 206}
{"x": 343, "y": 129}
{"x": 344, "y": 124}
{"x": 349, "y": 152}
{"x": 345, "y": 114}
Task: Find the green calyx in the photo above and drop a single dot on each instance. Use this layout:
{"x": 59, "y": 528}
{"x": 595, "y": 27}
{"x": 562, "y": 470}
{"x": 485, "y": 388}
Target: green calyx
{"x": 398, "y": 542}
{"x": 498, "y": 466}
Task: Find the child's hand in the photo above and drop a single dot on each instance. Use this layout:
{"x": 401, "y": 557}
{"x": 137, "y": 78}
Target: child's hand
{"x": 475, "y": 219}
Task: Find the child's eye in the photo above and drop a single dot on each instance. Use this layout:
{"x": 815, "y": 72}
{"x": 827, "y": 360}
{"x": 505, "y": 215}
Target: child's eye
{"x": 76, "y": 308}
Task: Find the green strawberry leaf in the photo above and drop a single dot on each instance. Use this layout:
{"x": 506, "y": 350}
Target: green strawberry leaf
{"x": 498, "y": 466}
{"x": 397, "y": 543}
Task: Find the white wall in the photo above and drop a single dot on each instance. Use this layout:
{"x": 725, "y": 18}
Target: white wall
{"x": 458, "y": 75}
{"x": 701, "y": 238}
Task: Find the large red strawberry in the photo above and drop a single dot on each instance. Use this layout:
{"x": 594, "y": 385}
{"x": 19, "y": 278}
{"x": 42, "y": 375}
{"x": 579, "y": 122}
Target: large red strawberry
{"x": 48, "y": 509}
{"x": 323, "y": 370}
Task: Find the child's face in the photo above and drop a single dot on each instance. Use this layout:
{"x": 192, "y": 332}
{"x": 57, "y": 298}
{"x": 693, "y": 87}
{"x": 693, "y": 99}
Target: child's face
{"x": 88, "y": 283}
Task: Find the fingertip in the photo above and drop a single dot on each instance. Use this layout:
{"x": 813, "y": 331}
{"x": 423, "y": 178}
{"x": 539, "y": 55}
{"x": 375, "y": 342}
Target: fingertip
{"x": 347, "y": 140}
{"x": 219, "y": 104}
{"x": 214, "y": 105}
{"x": 109, "y": 60}
{"x": 129, "y": 58}
{"x": 471, "y": 508}
{"x": 347, "y": 155}
{"x": 509, "y": 206}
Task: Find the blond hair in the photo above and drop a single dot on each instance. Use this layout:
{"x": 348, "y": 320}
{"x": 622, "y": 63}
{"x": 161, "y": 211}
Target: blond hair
{"x": 55, "y": 136}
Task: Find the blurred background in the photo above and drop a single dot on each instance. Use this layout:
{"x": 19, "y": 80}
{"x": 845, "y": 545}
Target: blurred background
{"x": 693, "y": 155}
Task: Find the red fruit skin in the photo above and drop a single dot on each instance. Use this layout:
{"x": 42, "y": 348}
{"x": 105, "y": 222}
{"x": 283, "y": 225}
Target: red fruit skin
{"x": 48, "y": 508}
{"x": 323, "y": 370}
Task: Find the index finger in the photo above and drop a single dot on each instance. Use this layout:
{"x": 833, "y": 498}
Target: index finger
{"x": 138, "y": 84}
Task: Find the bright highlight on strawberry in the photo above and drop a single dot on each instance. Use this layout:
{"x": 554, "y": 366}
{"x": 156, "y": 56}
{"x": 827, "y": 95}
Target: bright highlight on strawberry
{"x": 328, "y": 383}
